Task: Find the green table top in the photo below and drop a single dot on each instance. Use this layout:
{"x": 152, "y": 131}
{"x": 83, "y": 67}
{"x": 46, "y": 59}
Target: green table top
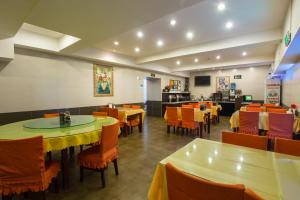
{"x": 18, "y": 131}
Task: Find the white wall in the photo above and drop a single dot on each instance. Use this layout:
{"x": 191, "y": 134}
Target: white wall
{"x": 252, "y": 82}
{"x": 6, "y": 49}
{"x": 37, "y": 81}
{"x": 291, "y": 86}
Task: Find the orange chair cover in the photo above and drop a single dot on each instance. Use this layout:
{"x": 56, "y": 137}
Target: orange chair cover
{"x": 286, "y": 146}
{"x": 23, "y": 168}
{"x": 252, "y": 141}
{"x": 254, "y": 105}
{"x": 186, "y": 106}
{"x": 172, "y": 117}
{"x": 270, "y": 105}
{"x": 184, "y": 186}
{"x": 52, "y": 115}
{"x": 100, "y": 113}
{"x": 249, "y": 122}
{"x": 250, "y": 195}
{"x": 135, "y": 106}
{"x": 277, "y": 110}
{"x": 255, "y": 109}
{"x": 99, "y": 156}
{"x": 126, "y": 106}
{"x": 281, "y": 125}
{"x": 188, "y": 118}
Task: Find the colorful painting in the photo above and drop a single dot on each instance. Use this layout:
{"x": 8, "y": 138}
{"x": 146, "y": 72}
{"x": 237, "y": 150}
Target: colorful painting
{"x": 175, "y": 85}
{"x": 103, "y": 80}
{"x": 223, "y": 83}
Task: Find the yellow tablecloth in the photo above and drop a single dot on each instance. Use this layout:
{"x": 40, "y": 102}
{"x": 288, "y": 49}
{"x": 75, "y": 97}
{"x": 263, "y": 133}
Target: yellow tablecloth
{"x": 263, "y": 121}
{"x": 198, "y": 114}
{"x": 270, "y": 175}
{"x": 126, "y": 112}
{"x": 58, "y": 138}
{"x": 214, "y": 110}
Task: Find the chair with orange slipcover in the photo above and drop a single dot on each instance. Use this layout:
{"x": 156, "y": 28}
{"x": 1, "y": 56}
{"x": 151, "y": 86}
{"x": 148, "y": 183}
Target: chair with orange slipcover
{"x": 99, "y": 156}
{"x": 281, "y": 125}
{"x": 246, "y": 140}
{"x": 99, "y": 114}
{"x": 209, "y": 104}
{"x": 51, "y": 115}
{"x": 136, "y": 106}
{"x": 23, "y": 167}
{"x": 126, "y": 106}
{"x": 114, "y": 112}
{"x": 186, "y": 106}
{"x": 249, "y": 122}
{"x": 255, "y": 109}
{"x": 194, "y": 105}
{"x": 184, "y": 186}
{"x": 287, "y": 146}
{"x": 276, "y": 110}
{"x": 254, "y": 105}
{"x": 188, "y": 121}
{"x": 250, "y": 195}
{"x": 172, "y": 118}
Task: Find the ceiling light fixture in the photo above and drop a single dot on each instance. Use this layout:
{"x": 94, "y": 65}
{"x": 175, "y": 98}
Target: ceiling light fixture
{"x": 136, "y": 49}
{"x": 140, "y": 34}
{"x": 196, "y": 60}
{"x": 229, "y": 25}
{"x": 244, "y": 53}
{"x": 189, "y": 35}
{"x": 178, "y": 62}
{"x": 160, "y": 43}
{"x": 221, "y": 6}
{"x": 116, "y": 43}
{"x": 173, "y": 22}
{"x": 218, "y": 57}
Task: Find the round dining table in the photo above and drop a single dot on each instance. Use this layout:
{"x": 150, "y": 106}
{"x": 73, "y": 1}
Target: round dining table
{"x": 83, "y": 129}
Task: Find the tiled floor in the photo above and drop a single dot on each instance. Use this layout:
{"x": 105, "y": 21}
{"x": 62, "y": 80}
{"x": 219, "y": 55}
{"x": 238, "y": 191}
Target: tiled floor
{"x": 139, "y": 154}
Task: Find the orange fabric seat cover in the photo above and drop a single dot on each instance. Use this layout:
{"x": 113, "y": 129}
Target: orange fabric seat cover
{"x": 172, "y": 117}
{"x": 23, "y": 167}
{"x": 188, "y": 118}
{"x": 252, "y": 141}
{"x": 184, "y": 186}
{"x": 99, "y": 156}
{"x": 277, "y": 110}
{"x": 51, "y": 115}
{"x": 100, "y": 113}
{"x": 255, "y": 109}
{"x": 254, "y": 105}
{"x": 249, "y": 122}
{"x": 287, "y": 146}
{"x": 135, "y": 106}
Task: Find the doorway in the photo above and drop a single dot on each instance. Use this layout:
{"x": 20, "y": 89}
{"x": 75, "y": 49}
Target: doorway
{"x": 152, "y": 96}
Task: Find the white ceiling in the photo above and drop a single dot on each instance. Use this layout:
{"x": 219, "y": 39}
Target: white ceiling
{"x": 99, "y": 23}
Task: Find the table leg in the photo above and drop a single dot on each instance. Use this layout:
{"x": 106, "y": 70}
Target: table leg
{"x": 218, "y": 115}
{"x": 65, "y": 168}
{"x": 208, "y": 123}
{"x": 201, "y": 129}
{"x": 141, "y": 122}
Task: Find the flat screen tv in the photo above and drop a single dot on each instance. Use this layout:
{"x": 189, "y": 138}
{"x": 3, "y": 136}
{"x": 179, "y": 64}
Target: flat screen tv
{"x": 202, "y": 80}
{"x": 247, "y": 98}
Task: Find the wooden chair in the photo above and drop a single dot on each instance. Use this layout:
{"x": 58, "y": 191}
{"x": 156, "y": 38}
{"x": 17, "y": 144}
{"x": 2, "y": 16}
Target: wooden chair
{"x": 188, "y": 121}
{"x": 51, "y": 115}
{"x": 249, "y": 122}
{"x": 246, "y": 140}
{"x": 172, "y": 119}
{"x": 255, "y": 109}
{"x": 184, "y": 186}
{"x": 99, "y": 156}
{"x": 276, "y": 110}
{"x": 23, "y": 167}
{"x": 281, "y": 125}
{"x": 98, "y": 114}
{"x": 287, "y": 146}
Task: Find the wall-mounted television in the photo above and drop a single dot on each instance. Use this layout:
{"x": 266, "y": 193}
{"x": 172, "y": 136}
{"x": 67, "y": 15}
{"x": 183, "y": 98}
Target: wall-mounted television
{"x": 247, "y": 98}
{"x": 202, "y": 80}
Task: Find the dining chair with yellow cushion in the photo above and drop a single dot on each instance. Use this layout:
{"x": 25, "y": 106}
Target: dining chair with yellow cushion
{"x": 51, "y": 115}
{"x": 100, "y": 114}
{"x": 172, "y": 118}
{"x": 23, "y": 167}
{"x": 184, "y": 186}
{"x": 99, "y": 156}
{"x": 276, "y": 110}
{"x": 287, "y": 146}
{"x": 188, "y": 121}
{"x": 246, "y": 140}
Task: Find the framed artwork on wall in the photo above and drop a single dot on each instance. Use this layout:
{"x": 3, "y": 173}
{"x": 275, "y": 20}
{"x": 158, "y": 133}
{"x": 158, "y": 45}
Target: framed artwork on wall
{"x": 103, "y": 80}
{"x": 223, "y": 83}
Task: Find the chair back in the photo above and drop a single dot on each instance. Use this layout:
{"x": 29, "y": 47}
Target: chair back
{"x": 277, "y": 110}
{"x": 270, "y": 105}
{"x": 249, "y": 122}
{"x": 172, "y": 114}
{"x": 126, "y": 106}
{"x": 184, "y": 186}
{"x": 104, "y": 109}
{"x": 246, "y": 140}
{"x": 187, "y": 115}
{"x": 195, "y": 105}
{"x": 22, "y": 165}
{"x": 186, "y": 106}
{"x": 286, "y": 146}
{"x": 109, "y": 138}
{"x": 136, "y": 106}
{"x": 113, "y": 112}
{"x": 51, "y": 115}
{"x": 255, "y": 109}
{"x": 100, "y": 113}
{"x": 208, "y": 104}
{"x": 254, "y": 105}
{"x": 250, "y": 195}
{"x": 281, "y": 125}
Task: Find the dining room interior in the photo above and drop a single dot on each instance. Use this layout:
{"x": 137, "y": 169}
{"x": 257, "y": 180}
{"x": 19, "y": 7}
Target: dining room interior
{"x": 157, "y": 100}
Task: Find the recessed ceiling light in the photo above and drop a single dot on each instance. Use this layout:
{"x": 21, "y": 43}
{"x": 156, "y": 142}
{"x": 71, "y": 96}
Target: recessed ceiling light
{"x": 244, "y": 53}
{"x": 218, "y": 57}
{"x": 196, "y": 60}
{"x": 189, "y": 35}
{"x": 136, "y": 49}
{"x": 229, "y": 25}
{"x": 140, "y": 34}
{"x": 221, "y": 6}
{"x": 160, "y": 43}
{"x": 173, "y": 22}
{"x": 178, "y": 62}
{"x": 116, "y": 43}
